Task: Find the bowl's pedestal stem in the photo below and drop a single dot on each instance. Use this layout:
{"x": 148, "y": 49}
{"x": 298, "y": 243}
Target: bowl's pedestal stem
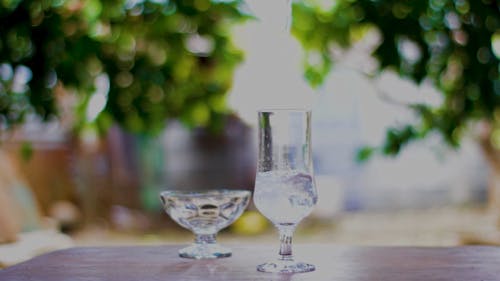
{"x": 205, "y": 247}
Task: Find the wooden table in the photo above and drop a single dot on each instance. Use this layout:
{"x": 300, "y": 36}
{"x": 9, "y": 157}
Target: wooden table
{"x": 339, "y": 263}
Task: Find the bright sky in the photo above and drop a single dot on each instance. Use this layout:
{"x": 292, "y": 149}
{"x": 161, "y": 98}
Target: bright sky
{"x": 272, "y": 73}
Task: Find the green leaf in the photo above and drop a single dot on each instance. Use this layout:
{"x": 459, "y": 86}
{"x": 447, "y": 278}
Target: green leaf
{"x": 365, "y": 153}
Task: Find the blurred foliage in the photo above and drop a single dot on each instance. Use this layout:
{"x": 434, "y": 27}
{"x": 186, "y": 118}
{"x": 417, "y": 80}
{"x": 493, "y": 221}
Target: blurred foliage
{"x": 134, "y": 62}
{"x": 141, "y": 62}
{"x": 455, "y": 44}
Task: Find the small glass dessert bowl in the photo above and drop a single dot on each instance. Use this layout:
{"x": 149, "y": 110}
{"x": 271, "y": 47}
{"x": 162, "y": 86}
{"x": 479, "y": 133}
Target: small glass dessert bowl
{"x": 205, "y": 213}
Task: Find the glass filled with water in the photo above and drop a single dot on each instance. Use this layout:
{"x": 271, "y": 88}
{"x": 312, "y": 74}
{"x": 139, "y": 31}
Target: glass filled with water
{"x": 285, "y": 191}
{"x": 205, "y": 213}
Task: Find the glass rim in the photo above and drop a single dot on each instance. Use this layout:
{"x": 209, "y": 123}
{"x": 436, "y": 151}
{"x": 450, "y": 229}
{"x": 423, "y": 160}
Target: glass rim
{"x": 194, "y": 193}
{"x": 284, "y": 109}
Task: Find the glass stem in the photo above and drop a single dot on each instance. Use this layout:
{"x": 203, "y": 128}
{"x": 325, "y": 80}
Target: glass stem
{"x": 286, "y": 233}
{"x": 205, "y": 239}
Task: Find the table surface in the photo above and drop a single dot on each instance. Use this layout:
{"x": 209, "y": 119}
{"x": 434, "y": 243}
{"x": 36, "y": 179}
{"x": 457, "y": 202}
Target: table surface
{"x": 144, "y": 263}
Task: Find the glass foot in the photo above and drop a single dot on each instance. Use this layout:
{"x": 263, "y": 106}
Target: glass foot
{"x": 205, "y": 251}
{"x": 285, "y": 267}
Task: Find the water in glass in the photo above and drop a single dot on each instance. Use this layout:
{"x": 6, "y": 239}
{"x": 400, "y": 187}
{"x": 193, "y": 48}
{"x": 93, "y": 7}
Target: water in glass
{"x": 285, "y": 192}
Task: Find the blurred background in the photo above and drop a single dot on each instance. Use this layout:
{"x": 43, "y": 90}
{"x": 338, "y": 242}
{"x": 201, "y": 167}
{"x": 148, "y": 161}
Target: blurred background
{"x": 103, "y": 104}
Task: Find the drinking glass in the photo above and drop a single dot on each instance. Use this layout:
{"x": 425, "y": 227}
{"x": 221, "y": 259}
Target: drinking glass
{"x": 205, "y": 213}
{"x": 285, "y": 191}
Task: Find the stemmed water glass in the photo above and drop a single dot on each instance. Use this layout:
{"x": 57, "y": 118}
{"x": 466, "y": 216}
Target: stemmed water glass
{"x": 285, "y": 191}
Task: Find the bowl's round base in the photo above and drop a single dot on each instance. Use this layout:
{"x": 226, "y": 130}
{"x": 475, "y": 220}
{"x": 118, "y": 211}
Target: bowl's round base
{"x": 285, "y": 267}
{"x": 205, "y": 251}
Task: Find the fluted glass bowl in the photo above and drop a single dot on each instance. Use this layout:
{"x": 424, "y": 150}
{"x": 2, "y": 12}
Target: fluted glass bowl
{"x": 205, "y": 213}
